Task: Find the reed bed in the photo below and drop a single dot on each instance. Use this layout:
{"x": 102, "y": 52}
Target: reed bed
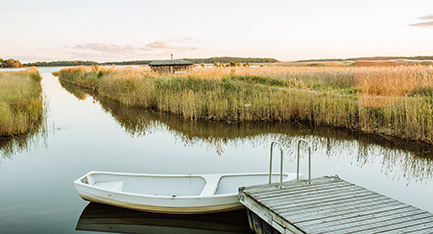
{"x": 86, "y": 77}
{"x": 21, "y": 106}
{"x": 386, "y": 100}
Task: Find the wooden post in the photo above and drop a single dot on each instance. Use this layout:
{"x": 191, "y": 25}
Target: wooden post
{"x": 171, "y": 67}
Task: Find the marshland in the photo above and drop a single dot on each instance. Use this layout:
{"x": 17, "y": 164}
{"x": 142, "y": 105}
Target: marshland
{"x": 384, "y": 100}
{"x": 175, "y": 128}
{"x": 21, "y": 103}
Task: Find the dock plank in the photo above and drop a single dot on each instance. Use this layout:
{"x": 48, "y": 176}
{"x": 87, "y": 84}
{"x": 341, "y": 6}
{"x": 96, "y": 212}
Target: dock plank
{"x": 287, "y": 205}
{"x": 339, "y": 209}
{"x": 348, "y": 216}
{"x": 368, "y": 224}
{"x": 332, "y": 205}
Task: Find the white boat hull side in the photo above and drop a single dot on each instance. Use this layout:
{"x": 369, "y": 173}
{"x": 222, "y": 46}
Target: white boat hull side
{"x": 187, "y": 206}
{"x": 170, "y": 194}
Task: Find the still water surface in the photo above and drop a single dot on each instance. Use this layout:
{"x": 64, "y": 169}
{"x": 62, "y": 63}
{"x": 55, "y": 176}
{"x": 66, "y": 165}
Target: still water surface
{"x": 84, "y": 132}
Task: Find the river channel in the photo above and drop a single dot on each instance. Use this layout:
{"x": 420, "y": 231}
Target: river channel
{"x": 83, "y": 132}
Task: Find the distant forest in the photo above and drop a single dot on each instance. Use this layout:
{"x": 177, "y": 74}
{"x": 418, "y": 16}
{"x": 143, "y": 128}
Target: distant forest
{"x": 368, "y": 58}
{"x": 230, "y": 59}
{"x": 144, "y": 62}
{"x": 15, "y": 63}
{"x": 84, "y": 63}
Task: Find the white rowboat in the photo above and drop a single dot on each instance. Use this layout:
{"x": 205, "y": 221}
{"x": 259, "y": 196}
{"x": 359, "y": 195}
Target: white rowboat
{"x": 172, "y": 194}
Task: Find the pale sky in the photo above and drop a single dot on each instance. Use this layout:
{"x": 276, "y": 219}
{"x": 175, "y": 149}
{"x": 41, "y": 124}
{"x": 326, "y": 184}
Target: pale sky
{"x": 120, "y": 30}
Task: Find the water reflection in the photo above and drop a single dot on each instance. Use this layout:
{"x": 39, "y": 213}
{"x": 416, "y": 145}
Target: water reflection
{"x": 105, "y": 218}
{"x": 12, "y": 145}
{"x": 399, "y": 158}
{"x": 78, "y": 92}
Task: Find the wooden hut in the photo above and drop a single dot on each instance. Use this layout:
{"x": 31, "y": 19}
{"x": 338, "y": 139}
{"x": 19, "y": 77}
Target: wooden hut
{"x": 170, "y": 66}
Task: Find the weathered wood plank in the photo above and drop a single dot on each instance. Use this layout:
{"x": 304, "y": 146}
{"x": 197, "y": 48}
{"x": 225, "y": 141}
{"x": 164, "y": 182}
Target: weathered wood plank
{"x": 290, "y": 191}
{"x": 347, "y": 215}
{"x": 367, "y": 217}
{"x": 392, "y": 225}
{"x": 340, "y": 209}
{"x": 278, "y": 222}
{"x": 300, "y": 184}
{"x": 348, "y": 225}
{"x": 298, "y": 187}
{"x": 322, "y": 203}
{"x": 318, "y": 194}
{"x": 332, "y": 205}
{"x": 423, "y": 228}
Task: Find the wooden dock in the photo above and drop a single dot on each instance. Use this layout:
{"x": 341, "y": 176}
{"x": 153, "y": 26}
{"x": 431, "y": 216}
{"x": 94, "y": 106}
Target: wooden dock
{"x": 329, "y": 205}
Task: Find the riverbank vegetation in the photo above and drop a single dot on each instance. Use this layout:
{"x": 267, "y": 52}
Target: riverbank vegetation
{"x": 401, "y": 159}
{"x": 21, "y": 106}
{"x": 383, "y": 100}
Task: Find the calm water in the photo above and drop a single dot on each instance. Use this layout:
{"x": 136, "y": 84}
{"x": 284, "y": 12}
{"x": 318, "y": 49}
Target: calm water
{"x": 85, "y": 132}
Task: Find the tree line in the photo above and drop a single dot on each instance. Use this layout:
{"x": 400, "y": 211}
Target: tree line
{"x": 10, "y": 63}
{"x": 230, "y": 59}
{"x": 368, "y": 58}
{"x": 61, "y": 63}
{"x": 145, "y": 62}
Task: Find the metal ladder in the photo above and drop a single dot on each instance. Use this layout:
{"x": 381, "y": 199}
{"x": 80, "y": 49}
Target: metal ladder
{"x": 298, "y": 159}
{"x": 309, "y": 159}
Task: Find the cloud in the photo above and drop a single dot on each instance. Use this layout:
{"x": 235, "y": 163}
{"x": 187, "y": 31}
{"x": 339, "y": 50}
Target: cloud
{"x": 423, "y": 24}
{"x": 158, "y": 45}
{"x": 113, "y": 52}
{"x": 427, "y": 17}
{"x": 426, "y": 24}
{"x": 129, "y": 49}
{"x": 109, "y": 48}
{"x": 183, "y": 39}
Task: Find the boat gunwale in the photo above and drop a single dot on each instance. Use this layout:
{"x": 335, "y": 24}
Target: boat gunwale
{"x": 180, "y": 197}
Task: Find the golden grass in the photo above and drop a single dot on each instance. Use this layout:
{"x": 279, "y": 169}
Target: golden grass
{"x": 21, "y": 106}
{"x": 87, "y": 77}
{"x": 386, "y": 100}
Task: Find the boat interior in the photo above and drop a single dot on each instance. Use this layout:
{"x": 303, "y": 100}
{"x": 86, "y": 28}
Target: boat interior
{"x": 174, "y": 185}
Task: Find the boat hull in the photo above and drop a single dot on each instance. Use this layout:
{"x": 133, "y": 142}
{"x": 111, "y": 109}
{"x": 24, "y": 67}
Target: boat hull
{"x": 168, "y": 194}
{"x": 229, "y": 203}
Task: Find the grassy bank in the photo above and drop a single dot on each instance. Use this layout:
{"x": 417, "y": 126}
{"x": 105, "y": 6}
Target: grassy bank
{"x": 86, "y": 77}
{"x": 21, "y": 106}
{"x": 394, "y": 101}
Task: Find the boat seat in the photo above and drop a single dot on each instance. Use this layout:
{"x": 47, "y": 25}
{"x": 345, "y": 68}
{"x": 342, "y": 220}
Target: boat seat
{"x": 110, "y": 185}
{"x": 211, "y": 185}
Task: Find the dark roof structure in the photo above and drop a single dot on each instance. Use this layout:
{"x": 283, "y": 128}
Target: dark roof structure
{"x": 176, "y": 62}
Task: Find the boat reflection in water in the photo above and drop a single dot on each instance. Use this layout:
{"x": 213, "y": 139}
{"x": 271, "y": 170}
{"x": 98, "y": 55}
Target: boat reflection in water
{"x": 105, "y": 218}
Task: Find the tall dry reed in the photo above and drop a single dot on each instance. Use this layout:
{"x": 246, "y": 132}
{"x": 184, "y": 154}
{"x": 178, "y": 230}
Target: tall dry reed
{"x": 21, "y": 106}
{"x": 395, "y": 101}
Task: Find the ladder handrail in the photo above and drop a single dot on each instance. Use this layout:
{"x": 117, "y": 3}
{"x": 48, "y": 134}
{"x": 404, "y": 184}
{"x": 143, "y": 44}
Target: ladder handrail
{"x": 309, "y": 159}
{"x": 281, "y": 162}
